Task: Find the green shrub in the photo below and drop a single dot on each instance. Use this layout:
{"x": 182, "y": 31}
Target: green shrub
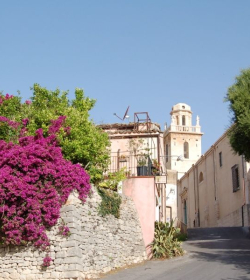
{"x": 110, "y": 203}
{"x": 181, "y": 236}
{"x": 112, "y": 180}
{"x": 107, "y": 189}
{"x": 165, "y": 243}
{"x": 80, "y": 139}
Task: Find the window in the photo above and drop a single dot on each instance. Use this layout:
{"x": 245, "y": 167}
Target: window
{"x": 185, "y": 212}
{"x": 183, "y": 120}
{"x": 220, "y": 158}
{"x": 201, "y": 178}
{"x": 167, "y": 153}
{"x": 186, "y": 150}
{"x": 235, "y": 177}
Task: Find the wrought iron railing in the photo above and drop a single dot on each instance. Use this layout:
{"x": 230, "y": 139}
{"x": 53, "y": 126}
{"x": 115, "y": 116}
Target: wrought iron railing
{"x": 134, "y": 164}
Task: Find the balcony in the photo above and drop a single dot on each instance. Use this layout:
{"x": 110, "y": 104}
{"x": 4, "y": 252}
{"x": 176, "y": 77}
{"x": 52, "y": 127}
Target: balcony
{"x": 135, "y": 165}
{"x": 183, "y": 128}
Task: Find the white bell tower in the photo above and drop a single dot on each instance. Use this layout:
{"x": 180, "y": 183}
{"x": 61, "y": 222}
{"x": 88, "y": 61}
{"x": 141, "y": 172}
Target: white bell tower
{"x": 182, "y": 140}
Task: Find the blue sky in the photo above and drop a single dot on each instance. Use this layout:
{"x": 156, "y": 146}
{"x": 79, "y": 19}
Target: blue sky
{"x": 149, "y": 55}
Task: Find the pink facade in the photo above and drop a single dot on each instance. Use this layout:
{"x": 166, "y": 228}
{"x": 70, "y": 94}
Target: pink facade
{"x": 142, "y": 191}
{"x": 129, "y": 142}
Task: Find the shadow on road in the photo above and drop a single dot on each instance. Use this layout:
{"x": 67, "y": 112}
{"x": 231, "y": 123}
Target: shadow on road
{"x": 241, "y": 260}
{"x": 229, "y": 246}
{"x": 239, "y": 278}
{"x": 213, "y": 254}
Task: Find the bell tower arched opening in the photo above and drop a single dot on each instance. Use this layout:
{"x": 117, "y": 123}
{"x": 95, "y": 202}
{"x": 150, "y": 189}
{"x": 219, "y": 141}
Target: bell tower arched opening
{"x": 182, "y": 139}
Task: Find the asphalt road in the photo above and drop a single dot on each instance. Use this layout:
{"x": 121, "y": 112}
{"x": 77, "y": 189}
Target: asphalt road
{"x": 214, "y": 253}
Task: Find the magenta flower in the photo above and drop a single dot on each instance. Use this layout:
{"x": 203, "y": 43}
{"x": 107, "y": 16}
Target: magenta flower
{"x": 7, "y": 96}
{"x": 63, "y": 230}
{"x": 46, "y": 261}
{"x": 25, "y": 122}
{"x": 35, "y": 181}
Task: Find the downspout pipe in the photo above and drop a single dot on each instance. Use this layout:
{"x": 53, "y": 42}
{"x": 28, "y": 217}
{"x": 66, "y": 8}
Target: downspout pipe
{"x": 244, "y": 187}
{"x": 195, "y": 203}
{"x": 198, "y": 196}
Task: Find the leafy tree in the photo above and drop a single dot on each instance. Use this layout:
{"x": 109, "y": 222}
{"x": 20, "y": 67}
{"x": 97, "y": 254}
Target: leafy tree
{"x": 81, "y": 141}
{"x": 239, "y": 97}
{"x": 9, "y": 106}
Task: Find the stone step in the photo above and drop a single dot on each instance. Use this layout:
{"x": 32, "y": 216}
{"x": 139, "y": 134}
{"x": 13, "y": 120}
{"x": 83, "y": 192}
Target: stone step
{"x": 218, "y": 233}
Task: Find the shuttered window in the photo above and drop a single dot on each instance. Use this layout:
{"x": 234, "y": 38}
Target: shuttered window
{"x": 235, "y": 178}
{"x": 220, "y": 158}
{"x": 167, "y": 153}
{"x": 201, "y": 178}
{"x": 186, "y": 150}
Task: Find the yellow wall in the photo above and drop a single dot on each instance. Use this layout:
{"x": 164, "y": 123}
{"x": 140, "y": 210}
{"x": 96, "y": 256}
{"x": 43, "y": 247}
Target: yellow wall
{"x": 213, "y": 197}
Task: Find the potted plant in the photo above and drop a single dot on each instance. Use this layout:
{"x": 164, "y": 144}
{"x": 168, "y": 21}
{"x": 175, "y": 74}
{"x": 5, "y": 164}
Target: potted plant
{"x": 140, "y": 151}
{"x": 142, "y": 169}
{"x": 128, "y": 173}
{"x": 123, "y": 158}
{"x": 156, "y": 168}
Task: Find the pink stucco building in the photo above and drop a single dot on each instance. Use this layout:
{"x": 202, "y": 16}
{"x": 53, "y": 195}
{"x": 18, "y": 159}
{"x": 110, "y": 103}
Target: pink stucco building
{"x": 138, "y": 148}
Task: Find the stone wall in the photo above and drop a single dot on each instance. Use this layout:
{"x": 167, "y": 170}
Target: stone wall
{"x": 235, "y": 218}
{"x": 96, "y": 244}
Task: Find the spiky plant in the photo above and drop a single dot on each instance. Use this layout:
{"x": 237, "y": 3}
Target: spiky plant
{"x": 165, "y": 243}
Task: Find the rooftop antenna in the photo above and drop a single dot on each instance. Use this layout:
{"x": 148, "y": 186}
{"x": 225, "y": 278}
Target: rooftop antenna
{"x": 126, "y": 116}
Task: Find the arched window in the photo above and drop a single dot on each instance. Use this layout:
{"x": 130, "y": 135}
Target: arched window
{"x": 186, "y": 149}
{"x": 183, "y": 120}
{"x": 201, "y": 178}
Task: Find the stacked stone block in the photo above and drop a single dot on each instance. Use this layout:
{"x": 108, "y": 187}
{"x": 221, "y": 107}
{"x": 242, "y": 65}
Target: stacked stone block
{"x": 96, "y": 244}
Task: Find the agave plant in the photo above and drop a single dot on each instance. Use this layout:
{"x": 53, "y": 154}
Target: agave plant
{"x": 165, "y": 243}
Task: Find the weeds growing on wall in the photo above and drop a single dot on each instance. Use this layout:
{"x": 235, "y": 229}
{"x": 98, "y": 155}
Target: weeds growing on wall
{"x": 107, "y": 189}
{"x": 110, "y": 203}
{"x": 165, "y": 243}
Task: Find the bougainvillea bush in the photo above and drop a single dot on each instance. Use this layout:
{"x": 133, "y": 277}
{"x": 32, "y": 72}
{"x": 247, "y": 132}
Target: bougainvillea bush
{"x": 35, "y": 181}
{"x": 86, "y": 143}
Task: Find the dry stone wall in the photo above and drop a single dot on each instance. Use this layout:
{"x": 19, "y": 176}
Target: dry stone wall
{"x": 96, "y": 244}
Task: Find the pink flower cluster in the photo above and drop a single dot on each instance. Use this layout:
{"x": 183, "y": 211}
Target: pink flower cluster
{"x": 12, "y": 124}
{"x": 6, "y": 97}
{"x": 35, "y": 181}
{"x": 56, "y": 125}
{"x": 63, "y": 230}
{"x": 46, "y": 261}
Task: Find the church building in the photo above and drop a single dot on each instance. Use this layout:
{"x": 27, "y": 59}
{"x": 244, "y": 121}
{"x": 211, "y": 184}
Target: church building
{"x": 182, "y": 140}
